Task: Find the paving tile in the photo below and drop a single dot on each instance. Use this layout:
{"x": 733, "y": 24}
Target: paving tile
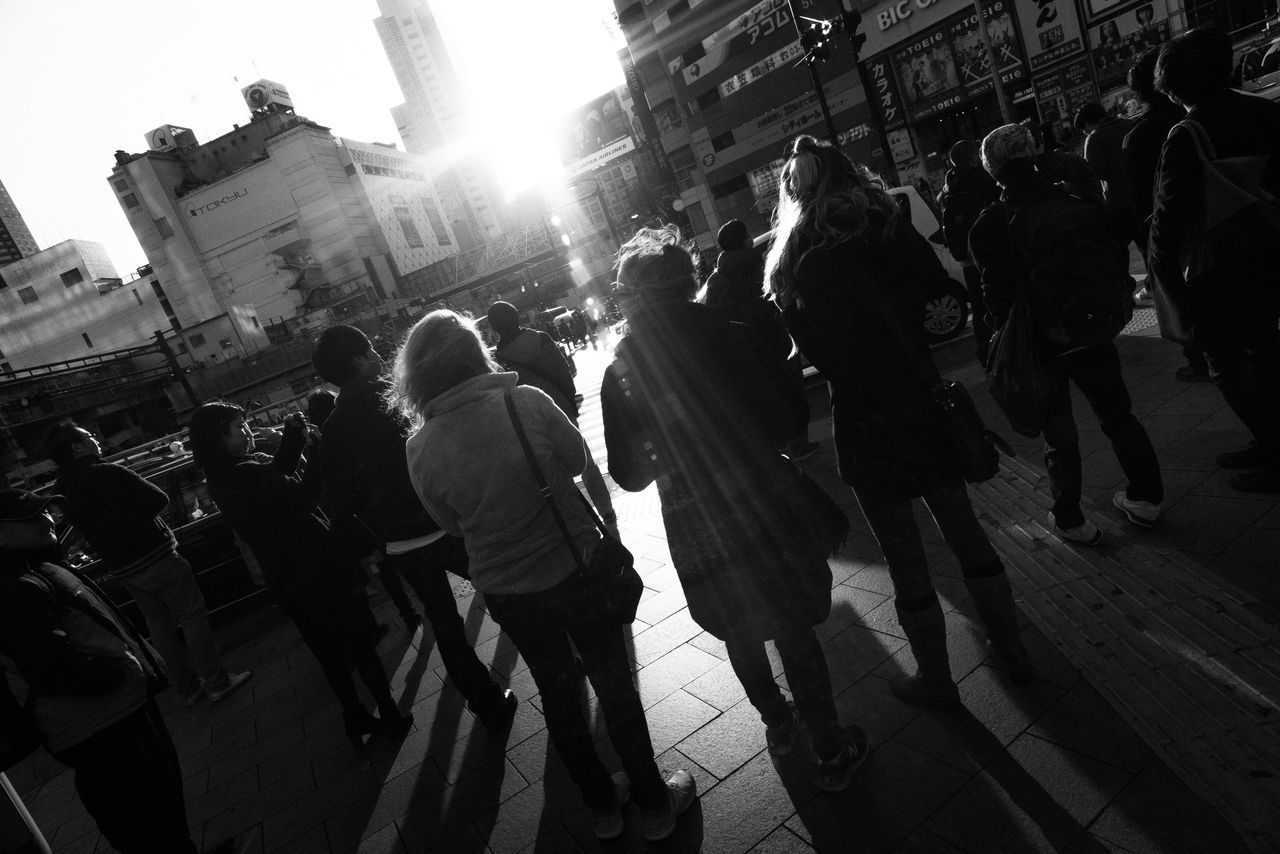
{"x": 384, "y": 841}
{"x": 672, "y": 672}
{"x": 718, "y": 687}
{"x": 1083, "y": 721}
{"x": 711, "y": 645}
{"x": 746, "y": 808}
{"x": 673, "y": 719}
{"x": 924, "y": 842}
{"x": 782, "y": 841}
{"x": 728, "y": 741}
{"x": 657, "y": 641}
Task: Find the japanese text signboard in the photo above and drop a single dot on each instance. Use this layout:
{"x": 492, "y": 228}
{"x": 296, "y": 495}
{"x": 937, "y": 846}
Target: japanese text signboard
{"x": 1050, "y": 31}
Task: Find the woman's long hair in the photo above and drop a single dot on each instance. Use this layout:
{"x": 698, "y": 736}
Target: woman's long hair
{"x": 442, "y": 350}
{"x": 823, "y": 200}
{"x": 656, "y": 265}
{"x": 208, "y": 427}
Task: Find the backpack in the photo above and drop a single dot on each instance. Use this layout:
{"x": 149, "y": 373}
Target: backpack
{"x": 960, "y": 211}
{"x": 1077, "y": 274}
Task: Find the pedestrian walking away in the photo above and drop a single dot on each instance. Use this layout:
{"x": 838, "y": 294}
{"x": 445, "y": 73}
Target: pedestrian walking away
{"x": 87, "y": 681}
{"x": 850, "y": 272}
{"x": 1229, "y": 306}
{"x": 1057, "y": 253}
{"x": 311, "y": 572}
{"x": 118, "y": 512}
{"x": 469, "y": 469}
{"x": 692, "y": 403}
{"x": 364, "y": 474}
{"x": 966, "y": 190}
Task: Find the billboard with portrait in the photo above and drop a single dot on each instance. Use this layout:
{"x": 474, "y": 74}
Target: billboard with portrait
{"x": 1118, "y": 42}
{"x": 595, "y": 133}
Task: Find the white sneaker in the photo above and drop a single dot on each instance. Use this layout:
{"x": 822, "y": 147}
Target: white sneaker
{"x": 660, "y": 823}
{"x": 234, "y": 682}
{"x": 1141, "y": 513}
{"x": 1086, "y": 533}
{"x": 609, "y": 822}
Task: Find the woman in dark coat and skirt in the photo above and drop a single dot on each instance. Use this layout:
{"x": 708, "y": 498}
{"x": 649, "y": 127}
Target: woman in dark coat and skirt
{"x": 312, "y": 574}
{"x": 850, "y": 274}
{"x": 696, "y": 403}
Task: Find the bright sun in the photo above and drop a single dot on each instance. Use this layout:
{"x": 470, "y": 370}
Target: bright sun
{"x": 526, "y": 65}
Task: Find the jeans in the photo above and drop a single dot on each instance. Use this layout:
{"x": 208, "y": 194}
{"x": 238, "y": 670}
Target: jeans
{"x": 1096, "y": 372}
{"x": 130, "y": 782}
{"x": 893, "y": 522}
{"x": 168, "y": 597}
{"x": 978, "y": 306}
{"x": 343, "y": 645}
{"x": 426, "y": 569}
{"x": 806, "y": 667}
{"x": 542, "y": 625}
{"x": 1244, "y": 362}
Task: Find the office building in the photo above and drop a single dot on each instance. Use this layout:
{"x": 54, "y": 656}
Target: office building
{"x": 16, "y": 241}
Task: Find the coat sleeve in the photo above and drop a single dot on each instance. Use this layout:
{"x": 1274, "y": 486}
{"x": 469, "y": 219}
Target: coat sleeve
{"x": 556, "y": 368}
{"x": 566, "y": 441}
{"x": 133, "y": 490}
{"x": 344, "y": 470}
{"x": 33, "y": 637}
{"x": 631, "y": 463}
{"x": 993, "y": 255}
{"x": 1177, "y": 197}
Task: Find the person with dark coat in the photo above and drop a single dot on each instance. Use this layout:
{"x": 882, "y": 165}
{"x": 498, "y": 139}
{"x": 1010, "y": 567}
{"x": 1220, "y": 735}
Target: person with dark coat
{"x": 364, "y": 474}
{"x": 271, "y": 505}
{"x": 966, "y": 190}
{"x": 87, "y": 682}
{"x": 541, "y": 364}
{"x": 850, "y": 274}
{"x": 736, "y": 285}
{"x": 1103, "y": 152}
{"x": 1094, "y": 366}
{"x": 1059, "y": 166}
{"x": 691, "y": 403}
{"x": 1233, "y": 311}
{"x": 119, "y": 512}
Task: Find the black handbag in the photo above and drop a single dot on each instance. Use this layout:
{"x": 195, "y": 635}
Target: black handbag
{"x": 1016, "y": 376}
{"x": 610, "y": 585}
{"x": 974, "y": 446}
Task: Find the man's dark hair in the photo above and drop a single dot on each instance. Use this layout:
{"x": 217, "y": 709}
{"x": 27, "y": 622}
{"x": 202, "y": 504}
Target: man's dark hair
{"x": 733, "y": 235}
{"x": 58, "y": 440}
{"x": 1142, "y": 76}
{"x": 208, "y": 426}
{"x": 504, "y": 318}
{"x": 319, "y": 406}
{"x": 337, "y": 349}
{"x": 1194, "y": 66}
{"x": 1090, "y": 114}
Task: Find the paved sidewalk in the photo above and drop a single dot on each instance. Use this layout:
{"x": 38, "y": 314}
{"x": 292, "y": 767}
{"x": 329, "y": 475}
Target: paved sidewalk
{"x": 1150, "y": 726}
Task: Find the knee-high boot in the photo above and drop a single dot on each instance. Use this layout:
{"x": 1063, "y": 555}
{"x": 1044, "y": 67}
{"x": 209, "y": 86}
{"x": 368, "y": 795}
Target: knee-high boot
{"x": 993, "y": 599}
{"x": 931, "y": 685}
{"x": 369, "y": 666}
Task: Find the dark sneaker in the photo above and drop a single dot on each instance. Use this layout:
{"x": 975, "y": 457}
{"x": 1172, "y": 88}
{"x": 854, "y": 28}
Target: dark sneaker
{"x": 781, "y": 737}
{"x": 235, "y": 681}
{"x": 658, "y": 824}
{"x": 1265, "y": 482}
{"x": 497, "y": 714}
{"x": 608, "y": 822}
{"x": 835, "y": 773}
{"x": 1193, "y": 374}
{"x": 1248, "y": 457}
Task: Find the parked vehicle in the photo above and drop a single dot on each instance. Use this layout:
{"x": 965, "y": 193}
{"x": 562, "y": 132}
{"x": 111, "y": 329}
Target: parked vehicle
{"x": 1259, "y": 68}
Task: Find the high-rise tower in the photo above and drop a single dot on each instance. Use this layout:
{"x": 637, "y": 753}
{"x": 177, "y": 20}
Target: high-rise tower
{"x": 16, "y": 241}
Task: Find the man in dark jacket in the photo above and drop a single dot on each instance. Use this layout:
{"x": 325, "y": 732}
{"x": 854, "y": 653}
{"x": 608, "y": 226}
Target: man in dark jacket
{"x": 1141, "y": 157}
{"x": 1058, "y": 166}
{"x": 1233, "y": 310}
{"x": 541, "y": 364}
{"x": 1094, "y": 367}
{"x": 88, "y": 683}
{"x": 966, "y": 190}
{"x": 118, "y": 512}
{"x": 736, "y": 286}
{"x": 364, "y": 473}
{"x": 1102, "y": 151}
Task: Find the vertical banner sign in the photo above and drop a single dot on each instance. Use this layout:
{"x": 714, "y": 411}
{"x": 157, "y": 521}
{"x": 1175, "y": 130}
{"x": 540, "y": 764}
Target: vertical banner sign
{"x": 927, "y": 74}
{"x": 972, "y": 63}
{"x": 738, "y": 36}
{"x": 880, "y": 70}
{"x": 1050, "y": 31}
{"x": 1064, "y": 90}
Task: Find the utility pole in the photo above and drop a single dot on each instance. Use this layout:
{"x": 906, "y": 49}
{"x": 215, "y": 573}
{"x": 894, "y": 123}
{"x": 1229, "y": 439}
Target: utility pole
{"x": 178, "y": 374}
{"x": 815, "y": 47}
{"x": 851, "y": 20}
{"x": 1002, "y": 97}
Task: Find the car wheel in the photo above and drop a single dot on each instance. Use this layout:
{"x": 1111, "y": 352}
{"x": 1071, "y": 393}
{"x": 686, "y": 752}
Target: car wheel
{"x": 946, "y": 313}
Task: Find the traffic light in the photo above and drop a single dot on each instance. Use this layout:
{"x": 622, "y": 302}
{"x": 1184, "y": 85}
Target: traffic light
{"x": 815, "y": 39}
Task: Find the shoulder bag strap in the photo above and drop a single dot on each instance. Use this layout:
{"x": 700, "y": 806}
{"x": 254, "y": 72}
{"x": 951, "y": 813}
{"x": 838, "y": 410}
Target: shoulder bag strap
{"x": 1199, "y": 138}
{"x": 122, "y": 628}
{"x": 543, "y": 489}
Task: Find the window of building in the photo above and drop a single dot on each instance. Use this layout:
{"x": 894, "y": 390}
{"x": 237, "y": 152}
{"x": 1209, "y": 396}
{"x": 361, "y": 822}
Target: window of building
{"x": 226, "y": 344}
{"x": 197, "y": 340}
{"x": 121, "y": 185}
{"x": 162, "y": 226}
{"x": 256, "y": 325}
{"x": 723, "y": 141}
{"x": 708, "y": 98}
{"x": 437, "y": 222}
{"x": 694, "y": 53}
{"x": 72, "y": 277}
{"x": 87, "y": 342}
{"x": 137, "y": 296}
{"x": 131, "y": 201}
{"x": 5, "y": 367}
{"x": 697, "y": 218}
{"x": 28, "y": 295}
{"x": 733, "y": 185}
{"x": 631, "y": 14}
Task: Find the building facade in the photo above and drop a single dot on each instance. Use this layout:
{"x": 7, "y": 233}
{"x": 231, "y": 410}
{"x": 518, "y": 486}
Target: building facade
{"x": 431, "y": 121}
{"x": 16, "y": 241}
{"x": 728, "y": 88}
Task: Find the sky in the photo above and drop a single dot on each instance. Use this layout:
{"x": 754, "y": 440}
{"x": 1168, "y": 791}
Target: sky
{"x": 96, "y": 76}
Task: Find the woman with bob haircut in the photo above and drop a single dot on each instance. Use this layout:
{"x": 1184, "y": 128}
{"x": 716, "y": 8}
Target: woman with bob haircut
{"x": 699, "y": 404}
{"x": 469, "y": 469}
{"x": 850, "y": 274}
{"x": 313, "y": 577}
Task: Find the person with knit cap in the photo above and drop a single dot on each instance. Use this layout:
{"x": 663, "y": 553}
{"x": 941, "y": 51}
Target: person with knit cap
{"x": 966, "y": 190}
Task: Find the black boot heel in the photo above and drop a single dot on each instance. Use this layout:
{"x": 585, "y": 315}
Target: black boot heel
{"x": 359, "y": 724}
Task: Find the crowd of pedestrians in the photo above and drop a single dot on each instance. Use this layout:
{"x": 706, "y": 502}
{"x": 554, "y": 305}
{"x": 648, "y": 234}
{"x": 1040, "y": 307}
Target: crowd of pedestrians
{"x": 458, "y": 460}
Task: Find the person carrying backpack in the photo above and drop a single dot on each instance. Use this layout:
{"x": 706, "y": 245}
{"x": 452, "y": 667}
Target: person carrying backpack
{"x": 1216, "y": 286}
{"x": 1044, "y": 246}
{"x": 966, "y": 190}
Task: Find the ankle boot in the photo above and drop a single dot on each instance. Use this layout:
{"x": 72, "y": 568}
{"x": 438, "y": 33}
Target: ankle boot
{"x": 374, "y": 677}
{"x": 357, "y": 723}
{"x": 993, "y": 599}
{"x": 931, "y": 685}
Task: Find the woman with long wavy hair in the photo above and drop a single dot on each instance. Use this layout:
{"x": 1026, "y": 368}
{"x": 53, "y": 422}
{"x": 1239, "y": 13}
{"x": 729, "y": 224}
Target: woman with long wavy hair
{"x": 471, "y": 473}
{"x": 850, "y": 274}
